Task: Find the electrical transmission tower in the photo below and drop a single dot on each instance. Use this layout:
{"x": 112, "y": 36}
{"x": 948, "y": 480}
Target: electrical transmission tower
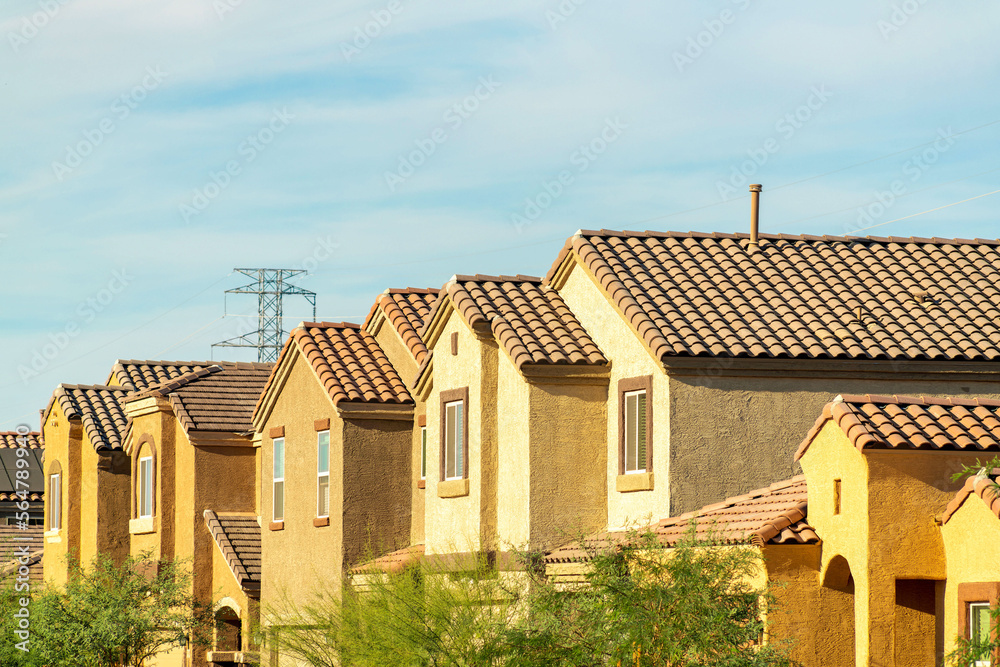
{"x": 270, "y": 285}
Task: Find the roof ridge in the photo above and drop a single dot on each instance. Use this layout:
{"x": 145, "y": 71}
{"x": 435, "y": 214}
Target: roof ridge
{"x": 898, "y": 399}
{"x": 167, "y": 386}
{"x": 788, "y": 237}
{"x": 94, "y": 387}
{"x": 502, "y": 278}
{"x": 328, "y": 325}
{"x": 411, "y": 290}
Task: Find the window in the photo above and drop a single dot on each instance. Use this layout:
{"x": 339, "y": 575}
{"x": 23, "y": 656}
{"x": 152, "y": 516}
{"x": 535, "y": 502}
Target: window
{"x": 454, "y": 434}
{"x": 323, "y": 474}
{"x": 635, "y": 434}
{"x": 423, "y": 452}
{"x": 55, "y": 501}
{"x": 278, "y": 507}
{"x": 635, "y": 431}
{"x": 145, "y": 487}
{"x": 979, "y": 627}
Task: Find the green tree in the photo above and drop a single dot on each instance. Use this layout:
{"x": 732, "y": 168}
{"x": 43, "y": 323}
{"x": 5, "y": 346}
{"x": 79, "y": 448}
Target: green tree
{"x": 10, "y": 617}
{"x": 112, "y": 615}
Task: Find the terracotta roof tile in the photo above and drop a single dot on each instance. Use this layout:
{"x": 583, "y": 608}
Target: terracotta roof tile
{"x": 219, "y": 397}
{"x": 773, "y": 515}
{"x": 529, "y": 319}
{"x": 397, "y": 561}
{"x": 99, "y": 408}
{"x": 908, "y": 422}
{"x": 238, "y": 538}
{"x": 800, "y": 296}
{"x": 407, "y": 310}
{"x": 141, "y": 375}
{"x": 12, "y": 541}
{"x": 32, "y": 440}
{"x": 982, "y": 485}
{"x": 349, "y": 363}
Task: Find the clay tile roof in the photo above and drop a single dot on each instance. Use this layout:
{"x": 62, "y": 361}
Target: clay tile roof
{"x": 141, "y": 375}
{"x": 218, "y": 398}
{"x": 984, "y": 486}
{"x": 529, "y": 319}
{"x": 908, "y": 422}
{"x": 394, "y": 562}
{"x": 349, "y": 363}
{"x": 238, "y": 538}
{"x": 99, "y": 408}
{"x": 9, "y": 440}
{"x": 800, "y": 296}
{"x": 407, "y": 310}
{"x": 773, "y": 515}
{"x": 13, "y": 540}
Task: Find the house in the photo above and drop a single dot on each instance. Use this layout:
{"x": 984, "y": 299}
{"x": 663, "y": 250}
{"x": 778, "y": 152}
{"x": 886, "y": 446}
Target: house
{"x": 22, "y": 507}
{"x": 192, "y": 494}
{"x": 721, "y": 335}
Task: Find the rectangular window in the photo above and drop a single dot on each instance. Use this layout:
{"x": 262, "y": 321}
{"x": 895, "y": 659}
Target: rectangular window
{"x": 323, "y": 474}
{"x": 423, "y": 452}
{"x": 454, "y": 434}
{"x": 145, "y": 487}
{"x": 635, "y": 431}
{"x": 55, "y": 502}
{"x": 979, "y": 625}
{"x": 278, "y": 476}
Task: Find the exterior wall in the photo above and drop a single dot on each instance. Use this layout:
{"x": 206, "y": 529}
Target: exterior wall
{"x": 64, "y": 442}
{"x": 464, "y": 523}
{"x": 104, "y": 504}
{"x": 159, "y": 425}
{"x": 970, "y": 540}
{"x": 224, "y": 585}
{"x": 886, "y": 530}
{"x": 514, "y": 501}
{"x": 629, "y": 359}
{"x": 399, "y": 356}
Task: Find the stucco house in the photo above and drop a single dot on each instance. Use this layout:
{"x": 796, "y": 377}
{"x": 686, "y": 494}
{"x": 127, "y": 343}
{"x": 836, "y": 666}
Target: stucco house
{"x": 192, "y": 494}
{"x": 22, "y": 506}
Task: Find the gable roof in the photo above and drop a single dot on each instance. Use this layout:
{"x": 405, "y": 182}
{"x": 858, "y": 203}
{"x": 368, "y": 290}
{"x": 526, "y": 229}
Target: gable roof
{"x": 773, "y": 515}
{"x": 141, "y": 375}
{"x": 406, "y": 309}
{"x": 238, "y": 538}
{"x": 8, "y": 467}
{"x": 32, "y": 440}
{"x": 812, "y": 297}
{"x": 99, "y": 409}
{"x": 527, "y": 318}
{"x": 220, "y": 397}
{"x": 982, "y": 485}
{"x": 393, "y": 562}
{"x": 907, "y": 422}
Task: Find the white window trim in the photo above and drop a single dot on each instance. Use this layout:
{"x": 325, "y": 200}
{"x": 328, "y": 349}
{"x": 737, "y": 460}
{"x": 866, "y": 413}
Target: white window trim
{"x": 55, "y": 507}
{"x": 145, "y": 486}
{"x": 320, "y": 474}
{"x": 629, "y": 436}
{"x": 457, "y": 447}
{"x": 276, "y": 480}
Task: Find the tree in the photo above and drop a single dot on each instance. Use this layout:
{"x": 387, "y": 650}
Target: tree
{"x": 641, "y": 603}
{"x": 117, "y": 615}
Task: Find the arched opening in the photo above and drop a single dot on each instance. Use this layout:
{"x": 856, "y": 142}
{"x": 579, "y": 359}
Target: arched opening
{"x": 228, "y": 630}
{"x": 836, "y": 635}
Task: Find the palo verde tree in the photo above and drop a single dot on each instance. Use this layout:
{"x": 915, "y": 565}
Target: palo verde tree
{"x": 110, "y": 615}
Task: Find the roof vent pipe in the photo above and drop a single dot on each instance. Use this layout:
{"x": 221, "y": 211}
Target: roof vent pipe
{"x": 754, "y": 214}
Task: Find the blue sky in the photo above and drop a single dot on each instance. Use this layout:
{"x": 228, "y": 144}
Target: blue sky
{"x": 149, "y": 148}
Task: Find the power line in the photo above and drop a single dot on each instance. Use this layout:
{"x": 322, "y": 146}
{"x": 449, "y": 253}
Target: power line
{"x": 913, "y": 215}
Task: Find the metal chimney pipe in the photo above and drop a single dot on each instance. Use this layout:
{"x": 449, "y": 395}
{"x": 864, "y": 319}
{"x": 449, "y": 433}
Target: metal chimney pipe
{"x": 755, "y": 214}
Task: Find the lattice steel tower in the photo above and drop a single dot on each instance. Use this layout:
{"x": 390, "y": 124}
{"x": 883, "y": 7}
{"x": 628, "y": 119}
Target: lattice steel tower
{"x": 269, "y": 285}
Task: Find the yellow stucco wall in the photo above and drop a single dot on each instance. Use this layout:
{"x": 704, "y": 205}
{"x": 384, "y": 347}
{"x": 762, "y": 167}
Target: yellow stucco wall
{"x": 972, "y": 550}
{"x": 629, "y": 358}
{"x": 63, "y": 443}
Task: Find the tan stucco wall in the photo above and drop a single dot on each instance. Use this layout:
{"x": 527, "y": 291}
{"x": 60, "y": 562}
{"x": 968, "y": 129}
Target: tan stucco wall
{"x": 514, "y": 501}
{"x": 465, "y": 523}
{"x": 163, "y": 429}
{"x": 971, "y": 538}
{"x": 63, "y": 443}
{"x": 105, "y": 503}
{"x": 629, "y": 359}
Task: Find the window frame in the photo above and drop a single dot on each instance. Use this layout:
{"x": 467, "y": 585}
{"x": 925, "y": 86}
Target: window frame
{"x": 276, "y": 443}
{"x": 145, "y": 487}
{"x": 631, "y": 387}
{"x": 320, "y": 474}
{"x": 448, "y": 398}
{"x": 55, "y": 506}
{"x": 423, "y": 453}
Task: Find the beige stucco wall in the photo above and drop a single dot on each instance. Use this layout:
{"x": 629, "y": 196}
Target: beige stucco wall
{"x": 105, "y": 502}
{"x": 163, "y": 429}
{"x": 514, "y": 498}
{"x": 970, "y": 540}
{"x": 629, "y": 359}
{"x": 64, "y": 442}
{"x": 465, "y": 523}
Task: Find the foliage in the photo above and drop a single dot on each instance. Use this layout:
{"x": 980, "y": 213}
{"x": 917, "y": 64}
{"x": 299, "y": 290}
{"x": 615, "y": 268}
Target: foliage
{"x": 640, "y": 604}
{"x": 117, "y": 615}
{"x": 10, "y": 607}
{"x": 979, "y": 469}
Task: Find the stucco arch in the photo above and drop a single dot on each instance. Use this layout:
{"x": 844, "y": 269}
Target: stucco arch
{"x": 144, "y": 444}
{"x": 837, "y": 575}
